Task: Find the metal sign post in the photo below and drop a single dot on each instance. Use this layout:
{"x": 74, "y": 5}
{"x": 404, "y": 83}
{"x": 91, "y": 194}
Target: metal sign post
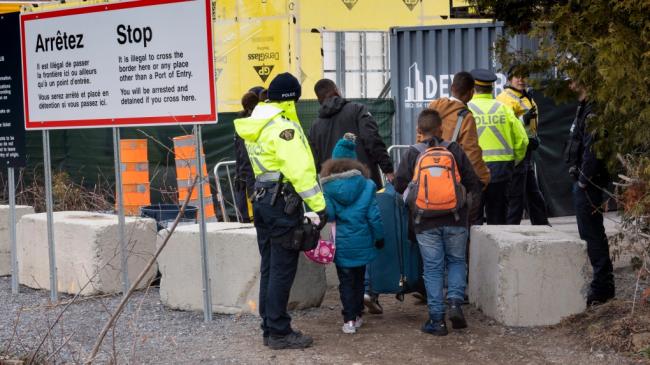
{"x": 12, "y": 231}
{"x": 50, "y": 219}
{"x": 120, "y": 210}
{"x": 207, "y": 292}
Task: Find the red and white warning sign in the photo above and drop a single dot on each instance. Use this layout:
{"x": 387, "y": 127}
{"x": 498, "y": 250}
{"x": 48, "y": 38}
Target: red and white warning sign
{"x": 134, "y": 63}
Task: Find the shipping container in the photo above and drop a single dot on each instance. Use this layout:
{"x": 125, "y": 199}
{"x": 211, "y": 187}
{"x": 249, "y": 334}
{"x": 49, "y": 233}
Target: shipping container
{"x": 424, "y": 61}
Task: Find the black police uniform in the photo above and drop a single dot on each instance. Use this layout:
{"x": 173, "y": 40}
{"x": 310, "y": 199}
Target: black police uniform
{"x": 523, "y": 190}
{"x": 279, "y": 264}
{"x": 591, "y": 177}
{"x": 244, "y": 179}
{"x": 277, "y": 206}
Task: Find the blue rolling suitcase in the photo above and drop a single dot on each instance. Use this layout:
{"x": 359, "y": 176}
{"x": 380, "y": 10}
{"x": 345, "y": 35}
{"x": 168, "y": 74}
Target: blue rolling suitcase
{"x": 398, "y": 266}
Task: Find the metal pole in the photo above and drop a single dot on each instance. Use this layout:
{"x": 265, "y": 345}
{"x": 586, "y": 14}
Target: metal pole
{"x": 240, "y": 215}
{"x": 207, "y": 295}
{"x": 50, "y": 219}
{"x": 12, "y": 231}
{"x": 220, "y": 194}
{"x": 120, "y": 210}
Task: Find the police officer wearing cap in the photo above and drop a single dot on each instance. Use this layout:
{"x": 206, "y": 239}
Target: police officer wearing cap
{"x": 285, "y": 176}
{"x": 523, "y": 190}
{"x": 502, "y": 138}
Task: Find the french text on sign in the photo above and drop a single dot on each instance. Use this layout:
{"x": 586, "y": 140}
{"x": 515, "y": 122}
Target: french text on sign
{"x": 75, "y": 75}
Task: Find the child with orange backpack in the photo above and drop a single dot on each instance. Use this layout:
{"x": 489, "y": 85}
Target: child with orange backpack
{"x": 435, "y": 177}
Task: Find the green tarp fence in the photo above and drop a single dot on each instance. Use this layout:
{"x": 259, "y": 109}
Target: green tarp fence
{"x": 87, "y": 154}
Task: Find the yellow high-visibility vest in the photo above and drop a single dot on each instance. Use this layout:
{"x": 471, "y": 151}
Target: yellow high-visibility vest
{"x": 501, "y": 135}
{"x": 520, "y": 105}
{"x": 276, "y": 144}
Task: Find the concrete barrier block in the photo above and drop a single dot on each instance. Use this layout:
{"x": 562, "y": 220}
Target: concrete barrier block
{"x": 234, "y": 265}
{"x": 527, "y": 275}
{"x": 5, "y": 240}
{"x": 87, "y": 249}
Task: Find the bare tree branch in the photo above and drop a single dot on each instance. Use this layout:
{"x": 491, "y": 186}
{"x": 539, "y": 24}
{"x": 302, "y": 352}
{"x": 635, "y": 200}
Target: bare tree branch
{"x": 143, "y": 273}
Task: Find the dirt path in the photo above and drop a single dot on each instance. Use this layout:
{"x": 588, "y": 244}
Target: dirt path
{"x": 163, "y": 336}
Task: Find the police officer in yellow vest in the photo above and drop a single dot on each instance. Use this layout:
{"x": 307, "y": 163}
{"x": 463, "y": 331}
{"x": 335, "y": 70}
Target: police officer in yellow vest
{"x": 524, "y": 189}
{"x": 503, "y": 140}
{"x": 285, "y": 176}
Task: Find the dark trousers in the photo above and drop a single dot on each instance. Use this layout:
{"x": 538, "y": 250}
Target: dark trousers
{"x": 588, "y": 204}
{"x": 476, "y": 213}
{"x": 495, "y": 202}
{"x": 524, "y": 192}
{"x": 278, "y": 267}
{"x": 351, "y": 289}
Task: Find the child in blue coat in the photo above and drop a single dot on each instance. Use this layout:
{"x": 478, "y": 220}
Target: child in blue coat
{"x": 351, "y": 203}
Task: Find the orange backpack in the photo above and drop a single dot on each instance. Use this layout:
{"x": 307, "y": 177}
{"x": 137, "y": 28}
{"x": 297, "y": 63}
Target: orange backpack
{"x": 435, "y": 189}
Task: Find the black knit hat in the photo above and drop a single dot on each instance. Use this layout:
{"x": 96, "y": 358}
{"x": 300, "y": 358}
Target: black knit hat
{"x": 284, "y": 87}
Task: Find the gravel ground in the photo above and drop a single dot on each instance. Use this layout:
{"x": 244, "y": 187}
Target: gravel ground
{"x": 150, "y": 333}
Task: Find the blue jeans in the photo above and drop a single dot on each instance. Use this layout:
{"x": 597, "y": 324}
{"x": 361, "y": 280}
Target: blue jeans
{"x": 439, "y": 247}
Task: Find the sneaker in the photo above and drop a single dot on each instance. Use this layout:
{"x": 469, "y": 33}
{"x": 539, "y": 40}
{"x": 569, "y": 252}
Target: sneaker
{"x": 358, "y": 322}
{"x": 435, "y": 327}
{"x": 294, "y": 340}
{"x": 456, "y": 314}
{"x": 372, "y": 303}
{"x": 349, "y": 327}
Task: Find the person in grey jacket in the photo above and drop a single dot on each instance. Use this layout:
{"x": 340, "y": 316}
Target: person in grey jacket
{"x": 338, "y": 116}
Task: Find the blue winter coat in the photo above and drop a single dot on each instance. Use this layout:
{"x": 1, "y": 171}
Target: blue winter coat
{"x": 351, "y": 203}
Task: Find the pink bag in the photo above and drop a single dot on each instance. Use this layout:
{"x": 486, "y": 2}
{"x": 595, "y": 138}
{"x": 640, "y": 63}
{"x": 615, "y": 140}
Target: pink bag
{"x": 324, "y": 251}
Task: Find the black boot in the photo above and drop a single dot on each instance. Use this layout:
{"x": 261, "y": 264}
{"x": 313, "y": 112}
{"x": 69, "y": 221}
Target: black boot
{"x": 456, "y": 314}
{"x": 436, "y": 327}
{"x": 294, "y": 340}
{"x": 371, "y": 301}
{"x": 595, "y": 298}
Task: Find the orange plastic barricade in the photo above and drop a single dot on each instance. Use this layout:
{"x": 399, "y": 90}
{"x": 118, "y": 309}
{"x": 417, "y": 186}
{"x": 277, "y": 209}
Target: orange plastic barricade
{"x": 135, "y": 175}
{"x": 185, "y": 155}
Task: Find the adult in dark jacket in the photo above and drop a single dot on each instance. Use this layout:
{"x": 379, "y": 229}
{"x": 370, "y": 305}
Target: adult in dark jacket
{"x": 244, "y": 178}
{"x": 591, "y": 177}
{"x": 337, "y": 117}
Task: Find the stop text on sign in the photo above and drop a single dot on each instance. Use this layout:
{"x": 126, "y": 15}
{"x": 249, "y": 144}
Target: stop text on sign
{"x": 119, "y": 64}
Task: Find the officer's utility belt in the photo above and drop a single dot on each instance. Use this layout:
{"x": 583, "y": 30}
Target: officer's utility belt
{"x": 271, "y": 183}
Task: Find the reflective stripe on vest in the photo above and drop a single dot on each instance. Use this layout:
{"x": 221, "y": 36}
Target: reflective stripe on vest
{"x": 506, "y": 150}
{"x": 310, "y": 192}
{"x": 259, "y": 164}
{"x": 519, "y": 100}
{"x": 271, "y": 176}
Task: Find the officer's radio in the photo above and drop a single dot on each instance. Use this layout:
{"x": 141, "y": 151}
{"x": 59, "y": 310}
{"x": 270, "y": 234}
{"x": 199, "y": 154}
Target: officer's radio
{"x": 305, "y": 237}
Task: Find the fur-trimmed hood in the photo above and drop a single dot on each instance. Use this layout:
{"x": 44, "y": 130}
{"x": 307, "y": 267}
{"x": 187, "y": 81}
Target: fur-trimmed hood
{"x": 331, "y": 167}
{"x": 343, "y": 180}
